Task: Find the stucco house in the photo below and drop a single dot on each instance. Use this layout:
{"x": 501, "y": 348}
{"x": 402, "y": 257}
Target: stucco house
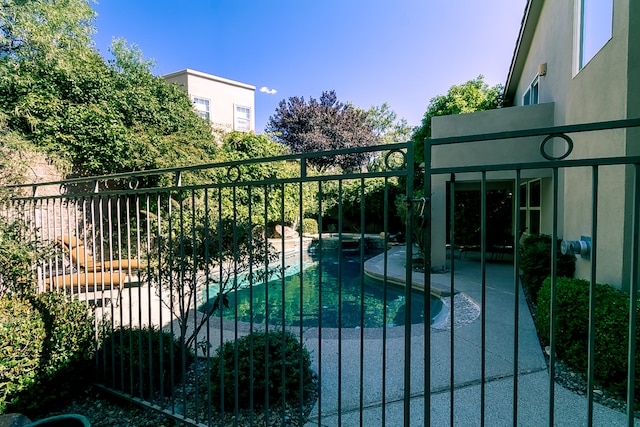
{"x": 575, "y": 61}
{"x": 229, "y": 105}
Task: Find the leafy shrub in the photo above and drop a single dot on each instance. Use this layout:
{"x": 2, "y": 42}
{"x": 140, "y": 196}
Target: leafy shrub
{"x": 535, "y": 262}
{"x": 294, "y": 357}
{"x": 309, "y": 226}
{"x": 45, "y": 358}
{"x": 19, "y": 251}
{"x": 142, "y": 361}
{"x": 23, "y": 337}
{"x": 571, "y": 328}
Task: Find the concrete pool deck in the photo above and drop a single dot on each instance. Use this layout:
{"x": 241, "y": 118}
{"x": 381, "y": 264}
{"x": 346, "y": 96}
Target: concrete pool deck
{"x": 353, "y": 403}
{"x": 352, "y": 392}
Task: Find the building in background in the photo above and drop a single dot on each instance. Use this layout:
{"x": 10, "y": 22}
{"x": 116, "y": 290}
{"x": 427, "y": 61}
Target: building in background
{"x": 227, "y": 104}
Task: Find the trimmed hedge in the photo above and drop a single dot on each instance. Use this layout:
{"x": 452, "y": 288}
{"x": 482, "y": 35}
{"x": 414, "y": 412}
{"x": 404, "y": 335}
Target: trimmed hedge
{"x": 294, "y": 357}
{"x": 45, "y": 349}
{"x": 535, "y": 262}
{"x": 143, "y": 361}
{"x": 572, "y": 320}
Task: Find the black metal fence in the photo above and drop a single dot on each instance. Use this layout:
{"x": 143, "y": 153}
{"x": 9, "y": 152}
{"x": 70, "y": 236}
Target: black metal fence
{"x": 261, "y": 290}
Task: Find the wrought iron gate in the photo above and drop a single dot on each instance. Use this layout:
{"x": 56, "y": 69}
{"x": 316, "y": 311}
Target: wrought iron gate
{"x": 170, "y": 250}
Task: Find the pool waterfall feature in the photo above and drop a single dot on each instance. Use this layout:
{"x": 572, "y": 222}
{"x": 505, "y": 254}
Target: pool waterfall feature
{"x": 323, "y": 285}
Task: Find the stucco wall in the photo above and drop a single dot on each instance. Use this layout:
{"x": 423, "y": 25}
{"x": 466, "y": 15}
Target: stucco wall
{"x": 481, "y": 153}
{"x": 597, "y": 92}
{"x": 223, "y": 95}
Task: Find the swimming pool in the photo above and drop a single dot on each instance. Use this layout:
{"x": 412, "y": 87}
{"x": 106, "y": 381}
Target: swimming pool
{"x": 329, "y": 292}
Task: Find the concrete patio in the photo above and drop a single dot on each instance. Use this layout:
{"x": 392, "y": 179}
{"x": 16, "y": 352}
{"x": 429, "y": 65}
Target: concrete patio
{"x": 532, "y": 372}
{"x": 352, "y": 394}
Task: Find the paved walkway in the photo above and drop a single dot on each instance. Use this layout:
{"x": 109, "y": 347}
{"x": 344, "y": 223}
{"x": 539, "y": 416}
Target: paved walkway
{"x": 345, "y": 402}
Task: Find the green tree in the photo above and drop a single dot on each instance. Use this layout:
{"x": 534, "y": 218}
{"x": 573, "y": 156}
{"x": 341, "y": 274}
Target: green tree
{"x": 474, "y": 95}
{"x": 200, "y": 253}
{"x": 387, "y": 125}
{"x": 45, "y": 29}
{"x": 102, "y": 117}
{"x": 238, "y": 146}
{"x": 323, "y": 124}
{"x": 390, "y": 129}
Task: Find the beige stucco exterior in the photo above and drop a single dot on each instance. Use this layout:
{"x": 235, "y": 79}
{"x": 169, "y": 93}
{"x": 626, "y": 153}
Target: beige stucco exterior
{"x": 606, "y": 88}
{"x": 223, "y": 95}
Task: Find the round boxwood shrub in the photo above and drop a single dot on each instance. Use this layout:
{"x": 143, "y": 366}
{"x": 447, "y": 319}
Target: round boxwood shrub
{"x": 46, "y": 355}
{"x": 286, "y": 353}
{"x": 23, "y": 337}
{"x": 143, "y": 361}
{"x": 535, "y": 262}
{"x": 571, "y": 330}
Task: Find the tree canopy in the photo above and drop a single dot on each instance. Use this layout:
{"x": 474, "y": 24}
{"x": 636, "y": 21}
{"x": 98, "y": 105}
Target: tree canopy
{"x": 323, "y": 124}
{"x": 101, "y": 116}
{"x": 474, "y": 95}
{"x": 387, "y": 125}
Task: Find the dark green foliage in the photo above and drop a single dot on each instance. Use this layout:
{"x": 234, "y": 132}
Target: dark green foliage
{"x": 22, "y": 338}
{"x": 53, "y": 342}
{"x": 374, "y": 196}
{"x": 474, "y": 95}
{"x": 142, "y": 362}
{"x": 309, "y": 226}
{"x": 70, "y": 330}
{"x": 535, "y": 262}
{"x": 572, "y": 320}
{"x": 323, "y": 124}
{"x": 251, "y": 372}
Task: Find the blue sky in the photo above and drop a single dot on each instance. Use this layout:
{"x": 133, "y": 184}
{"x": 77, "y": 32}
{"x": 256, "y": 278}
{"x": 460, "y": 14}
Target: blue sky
{"x": 403, "y": 52}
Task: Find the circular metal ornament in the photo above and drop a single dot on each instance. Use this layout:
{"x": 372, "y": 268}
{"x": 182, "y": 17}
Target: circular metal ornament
{"x": 134, "y": 182}
{"x": 233, "y": 173}
{"x": 547, "y": 156}
{"x": 387, "y": 162}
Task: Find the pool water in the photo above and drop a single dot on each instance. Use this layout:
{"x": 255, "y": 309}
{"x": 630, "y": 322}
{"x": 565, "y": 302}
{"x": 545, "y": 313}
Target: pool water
{"x": 332, "y": 288}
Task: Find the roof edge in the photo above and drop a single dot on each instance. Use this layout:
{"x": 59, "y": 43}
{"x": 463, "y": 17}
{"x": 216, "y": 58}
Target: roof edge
{"x": 207, "y": 76}
{"x": 527, "y": 29}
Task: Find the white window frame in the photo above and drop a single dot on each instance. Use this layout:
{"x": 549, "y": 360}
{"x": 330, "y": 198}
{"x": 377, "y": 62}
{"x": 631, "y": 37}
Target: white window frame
{"x": 205, "y": 113}
{"x": 533, "y": 89}
{"x": 527, "y": 208}
{"x": 240, "y": 123}
{"x": 580, "y": 61}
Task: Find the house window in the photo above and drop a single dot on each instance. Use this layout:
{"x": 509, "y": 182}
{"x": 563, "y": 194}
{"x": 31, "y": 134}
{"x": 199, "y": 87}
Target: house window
{"x": 242, "y": 118}
{"x": 530, "y": 196}
{"x": 202, "y": 107}
{"x": 595, "y": 18}
{"x": 531, "y": 95}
